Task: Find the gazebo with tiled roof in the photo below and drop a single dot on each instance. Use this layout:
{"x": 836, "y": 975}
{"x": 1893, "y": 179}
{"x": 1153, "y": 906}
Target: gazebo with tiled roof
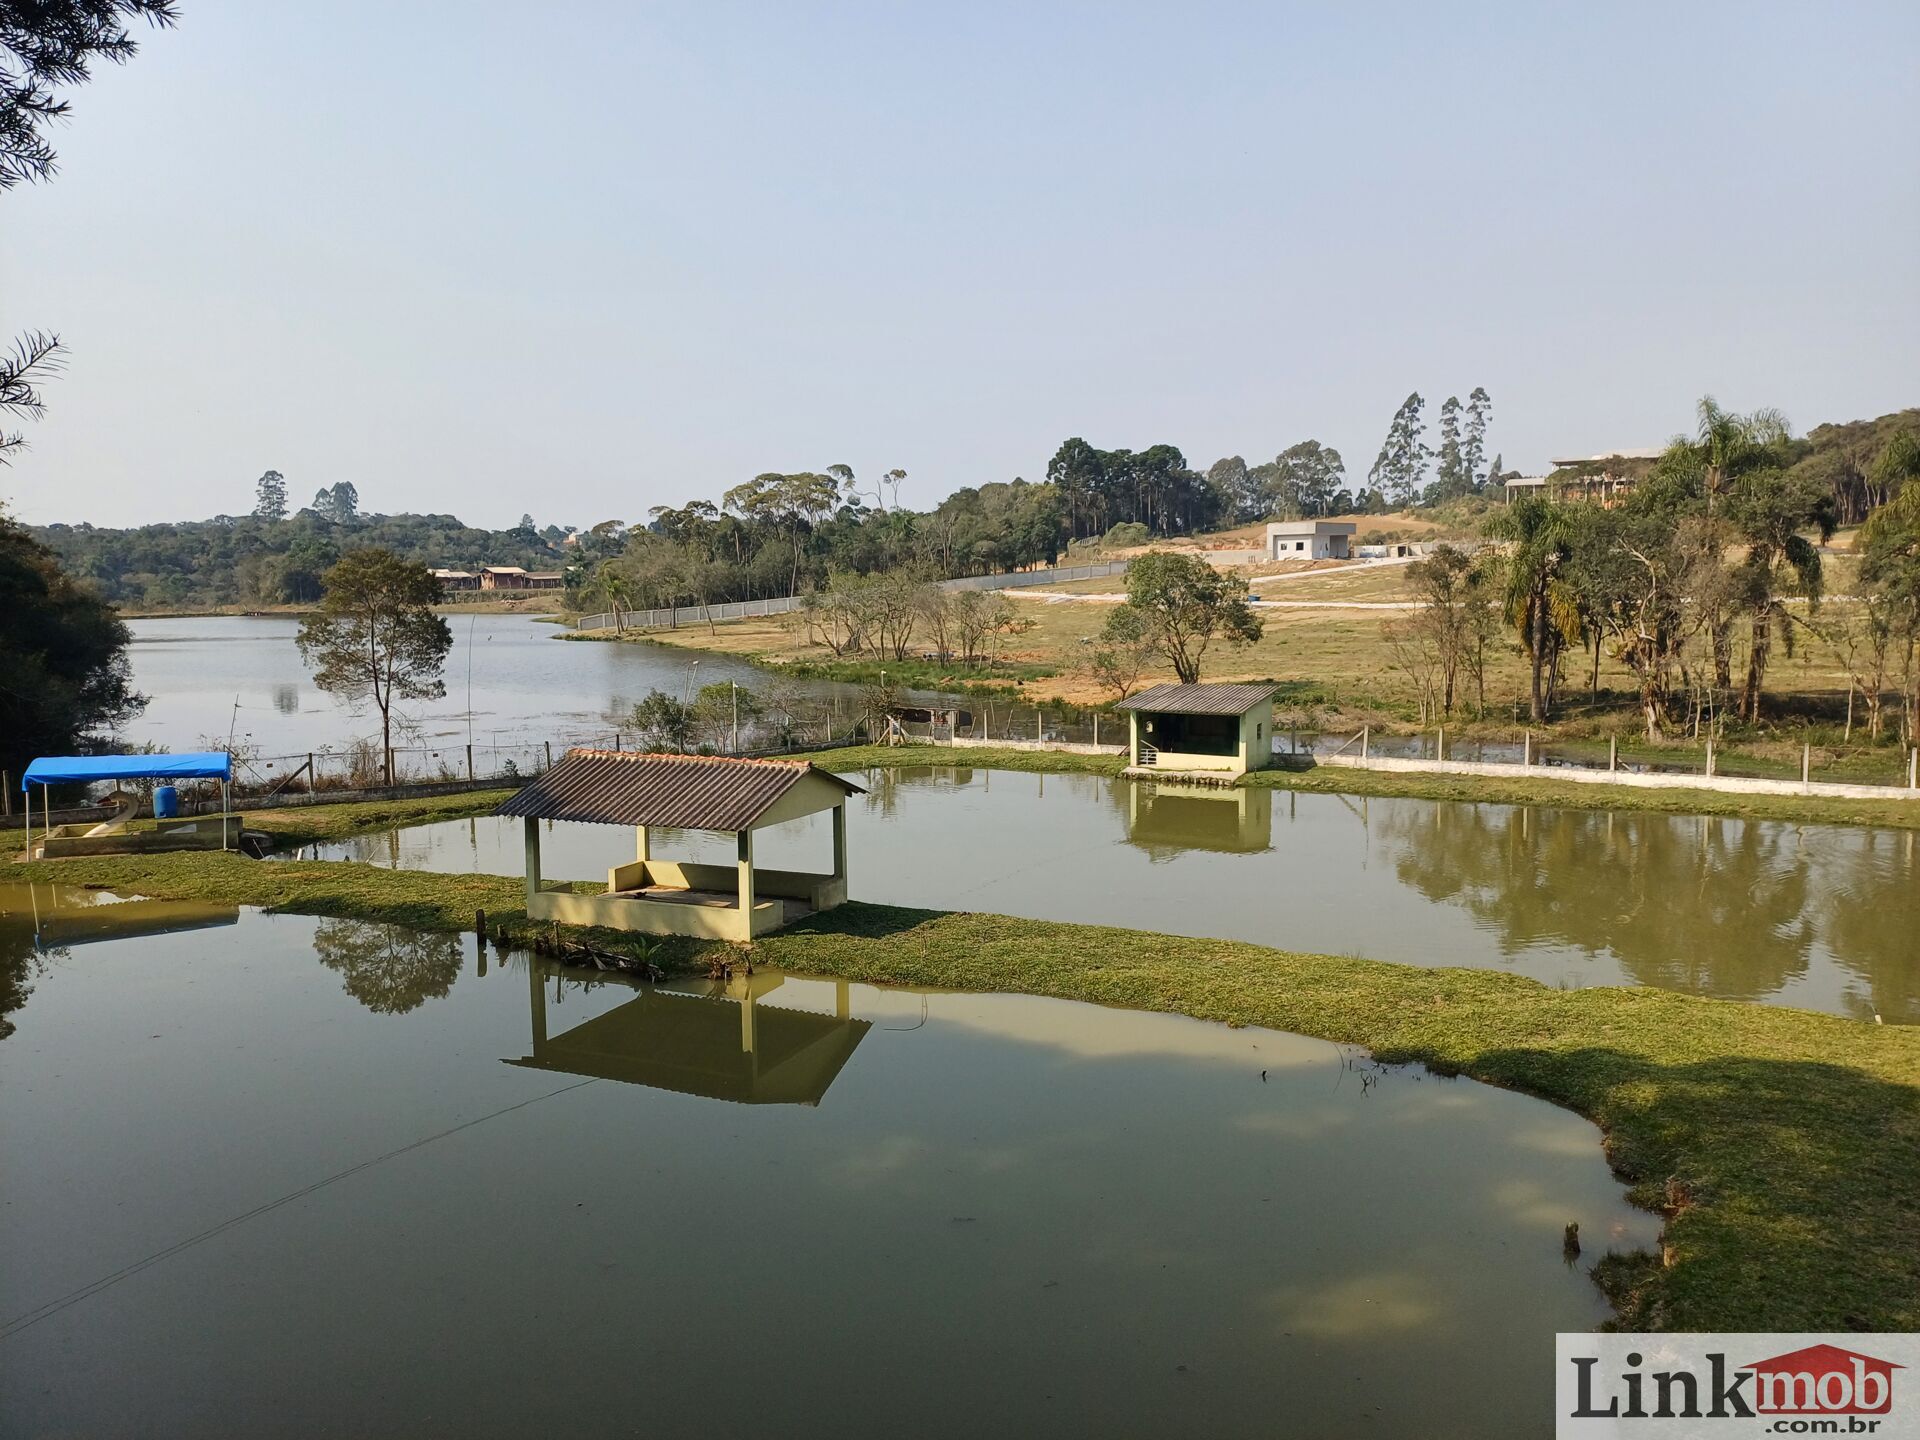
{"x": 685, "y": 792}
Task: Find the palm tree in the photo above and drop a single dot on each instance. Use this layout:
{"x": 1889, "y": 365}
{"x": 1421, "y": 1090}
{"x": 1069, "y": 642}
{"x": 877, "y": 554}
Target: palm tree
{"x": 1769, "y": 509}
{"x": 1701, "y": 472}
{"x": 1540, "y": 602}
{"x": 1726, "y": 446}
{"x": 617, "y": 590}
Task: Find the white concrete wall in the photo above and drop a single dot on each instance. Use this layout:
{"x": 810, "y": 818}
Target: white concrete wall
{"x": 1636, "y": 779}
{"x": 1071, "y": 747}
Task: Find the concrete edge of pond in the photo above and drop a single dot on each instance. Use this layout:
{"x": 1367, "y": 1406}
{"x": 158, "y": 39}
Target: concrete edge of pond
{"x": 1782, "y": 1146}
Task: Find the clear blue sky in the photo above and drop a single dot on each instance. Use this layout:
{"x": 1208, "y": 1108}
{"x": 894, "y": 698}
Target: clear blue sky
{"x": 580, "y": 259}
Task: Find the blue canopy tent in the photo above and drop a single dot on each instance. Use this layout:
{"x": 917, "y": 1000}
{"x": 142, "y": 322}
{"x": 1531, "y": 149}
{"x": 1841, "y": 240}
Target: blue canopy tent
{"x": 63, "y": 769}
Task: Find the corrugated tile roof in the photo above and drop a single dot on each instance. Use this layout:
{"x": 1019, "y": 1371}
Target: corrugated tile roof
{"x": 1200, "y": 699}
{"x": 684, "y": 792}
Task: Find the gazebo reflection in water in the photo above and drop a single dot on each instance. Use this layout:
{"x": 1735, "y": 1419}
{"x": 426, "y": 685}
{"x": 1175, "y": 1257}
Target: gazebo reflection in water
{"x": 715, "y": 1041}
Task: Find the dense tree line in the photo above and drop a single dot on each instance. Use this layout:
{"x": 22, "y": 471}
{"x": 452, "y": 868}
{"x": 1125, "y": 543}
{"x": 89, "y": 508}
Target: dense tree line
{"x": 255, "y": 560}
{"x": 1697, "y": 582}
{"x": 790, "y": 533}
{"x": 794, "y": 534}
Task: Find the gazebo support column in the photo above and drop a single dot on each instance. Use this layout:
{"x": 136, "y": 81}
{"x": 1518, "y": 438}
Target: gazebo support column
{"x": 743, "y": 848}
{"x": 533, "y": 856}
{"x": 840, "y": 842}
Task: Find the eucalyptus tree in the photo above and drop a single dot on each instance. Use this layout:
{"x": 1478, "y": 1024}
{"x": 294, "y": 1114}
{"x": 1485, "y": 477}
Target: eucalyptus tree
{"x": 1402, "y": 462}
{"x": 1451, "y": 477}
{"x": 1308, "y": 475}
{"x": 1473, "y": 437}
{"x": 270, "y": 496}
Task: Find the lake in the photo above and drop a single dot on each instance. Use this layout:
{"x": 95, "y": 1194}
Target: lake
{"x": 1822, "y": 917}
{"x": 527, "y": 686}
{"x": 294, "y": 1176}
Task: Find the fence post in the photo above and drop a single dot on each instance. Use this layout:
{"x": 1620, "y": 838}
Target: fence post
{"x": 469, "y": 763}
{"x": 1913, "y": 769}
{"x": 1613, "y": 752}
{"x": 1526, "y": 753}
{"x": 1440, "y": 744}
{"x": 1709, "y": 757}
{"x": 1096, "y": 729}
{"x": 616, "y": 740}
{"x": 549, "y": 745}
{"x": 1039, "y": 734}
{"x": 1366, "y": 732}
{"x": 6, "y": 793}
{"x": 1806, "y": 764}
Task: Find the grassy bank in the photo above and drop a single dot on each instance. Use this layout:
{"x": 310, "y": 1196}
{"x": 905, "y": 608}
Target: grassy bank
{"x": 1783, "y": 1146}
{"x": 315, "y": 824}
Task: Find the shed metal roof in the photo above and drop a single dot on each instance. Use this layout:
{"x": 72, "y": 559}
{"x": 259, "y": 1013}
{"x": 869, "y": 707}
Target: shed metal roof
{"x": 1200, "y": 699}
{"x": 683, "y": 792}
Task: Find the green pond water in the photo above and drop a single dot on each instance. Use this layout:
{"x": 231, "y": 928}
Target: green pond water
{"x": 280, "y": 1176}
{"x": 1821, "y": 917}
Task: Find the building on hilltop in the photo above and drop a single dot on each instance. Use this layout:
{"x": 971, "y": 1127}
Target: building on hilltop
{"x": 1310, "y": 540}
{"x": 1604, "y": 479}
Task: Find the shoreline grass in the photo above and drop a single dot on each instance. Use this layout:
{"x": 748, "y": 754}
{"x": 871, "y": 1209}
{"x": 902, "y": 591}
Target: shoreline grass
{"x": 297, "y": 825}
{"x": 1782, "y": 1146}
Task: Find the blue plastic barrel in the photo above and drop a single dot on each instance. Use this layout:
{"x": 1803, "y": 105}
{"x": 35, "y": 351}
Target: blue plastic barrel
{"x": 166, "y": 803}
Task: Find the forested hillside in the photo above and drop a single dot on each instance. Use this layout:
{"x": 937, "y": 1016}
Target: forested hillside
{"x": 781, "y": 534}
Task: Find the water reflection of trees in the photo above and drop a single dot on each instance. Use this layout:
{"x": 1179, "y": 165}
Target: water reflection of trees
{"x": 20, "y": 965}
{"x": 388, "y": 968}
{"x": 1872, "y": 908}
{"x": 1716, "y": 907}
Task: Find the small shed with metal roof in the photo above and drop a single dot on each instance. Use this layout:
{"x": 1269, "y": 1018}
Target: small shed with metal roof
{"x": 719, "y": 793}
{"x": 1218, "y": 729}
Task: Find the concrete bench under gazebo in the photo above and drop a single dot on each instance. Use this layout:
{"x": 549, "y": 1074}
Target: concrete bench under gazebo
{"x": 685, "y": 792}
